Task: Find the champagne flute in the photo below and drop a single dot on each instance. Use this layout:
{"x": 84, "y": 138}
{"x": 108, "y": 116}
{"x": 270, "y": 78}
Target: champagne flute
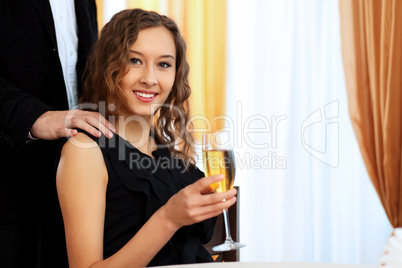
{"x": 218, "y": 158}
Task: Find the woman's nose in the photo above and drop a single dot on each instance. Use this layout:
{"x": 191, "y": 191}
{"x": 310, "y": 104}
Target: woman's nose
{"x": 149, "y": 77}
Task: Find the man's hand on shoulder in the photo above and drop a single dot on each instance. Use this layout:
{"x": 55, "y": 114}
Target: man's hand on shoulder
{"x": 57, "y": 124}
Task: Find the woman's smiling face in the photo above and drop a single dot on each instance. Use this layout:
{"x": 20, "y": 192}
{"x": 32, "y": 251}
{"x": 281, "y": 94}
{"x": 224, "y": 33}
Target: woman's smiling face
{"x": 151, "y": 71}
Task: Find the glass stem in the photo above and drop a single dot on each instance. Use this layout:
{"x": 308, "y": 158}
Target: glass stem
{"x": 227, "y": 227}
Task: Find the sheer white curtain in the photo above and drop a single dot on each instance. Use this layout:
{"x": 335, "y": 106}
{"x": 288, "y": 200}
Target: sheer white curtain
{"x": 305, "y": 193}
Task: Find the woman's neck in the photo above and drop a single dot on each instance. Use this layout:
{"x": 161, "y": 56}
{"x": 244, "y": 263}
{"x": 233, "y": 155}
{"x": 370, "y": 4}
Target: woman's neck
{"x": 136, "y": 130}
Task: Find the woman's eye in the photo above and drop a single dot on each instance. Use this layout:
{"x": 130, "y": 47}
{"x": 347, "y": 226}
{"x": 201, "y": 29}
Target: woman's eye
{"x": 164, "y": 64}
{"x": 135, "y": 61}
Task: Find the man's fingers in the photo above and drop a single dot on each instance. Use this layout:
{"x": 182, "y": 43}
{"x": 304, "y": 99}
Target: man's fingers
{"x": 105, "y": 130}
{"x": 102, "y": 124}
{"x": 94, "y": 120}
{"x": 106, "y": 123}
{"x": 81, "y": 124}
{"x": 68, "y": 132}
{"x": 111, "y": 126}
{"x": 56, "y": 124}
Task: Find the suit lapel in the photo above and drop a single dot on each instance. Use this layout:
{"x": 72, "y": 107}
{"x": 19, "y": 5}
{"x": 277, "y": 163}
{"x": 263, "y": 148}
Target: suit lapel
{"x": 45, "y": 12}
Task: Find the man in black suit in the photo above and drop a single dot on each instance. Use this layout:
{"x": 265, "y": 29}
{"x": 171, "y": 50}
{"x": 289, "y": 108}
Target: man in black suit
{"x": 33, "y": 103}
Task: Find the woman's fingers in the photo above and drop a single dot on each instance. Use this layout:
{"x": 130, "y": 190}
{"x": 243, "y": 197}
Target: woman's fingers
{"x": 207, "y": 190}
{"x": 190, "y": 205}
{"x": 216, "y": 197}
{"x": 205, "y": 182}
{"x": 206, "y": 212}
{"x": 201, "y": 187}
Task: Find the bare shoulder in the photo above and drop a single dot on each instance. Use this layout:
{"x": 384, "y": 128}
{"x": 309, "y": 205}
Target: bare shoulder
{"x": 81, "y": 156}
{"x": 80, "y": 142}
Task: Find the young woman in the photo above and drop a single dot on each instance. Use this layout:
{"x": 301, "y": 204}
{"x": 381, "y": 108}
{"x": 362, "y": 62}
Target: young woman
{"x": 137, "y": 199}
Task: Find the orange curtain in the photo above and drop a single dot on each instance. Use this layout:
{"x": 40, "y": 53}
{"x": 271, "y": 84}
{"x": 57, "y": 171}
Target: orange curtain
{"x": 100, "y": 13}
{"x": 205, "y": 34}
{"x": 371, "y": 33}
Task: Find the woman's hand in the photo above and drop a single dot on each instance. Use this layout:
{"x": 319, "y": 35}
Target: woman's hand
{"x": 196, "y": 203}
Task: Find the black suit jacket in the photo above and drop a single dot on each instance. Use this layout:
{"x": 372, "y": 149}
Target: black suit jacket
{"x": 31, "y": 83}
{"x": 31, "y": 79}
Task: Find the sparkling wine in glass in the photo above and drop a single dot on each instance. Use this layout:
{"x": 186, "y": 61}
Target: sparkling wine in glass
{"x": 218, "y": 158}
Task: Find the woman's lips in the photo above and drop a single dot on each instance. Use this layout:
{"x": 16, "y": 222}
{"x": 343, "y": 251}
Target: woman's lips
{"x": 145, "y": 96}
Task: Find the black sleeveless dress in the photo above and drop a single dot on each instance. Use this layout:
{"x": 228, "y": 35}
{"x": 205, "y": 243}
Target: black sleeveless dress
{"x": 138, "y": 186}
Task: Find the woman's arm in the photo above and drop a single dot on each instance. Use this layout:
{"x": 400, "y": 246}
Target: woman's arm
{"x": 81, "y": 187}
{"x": 81, "y": 184}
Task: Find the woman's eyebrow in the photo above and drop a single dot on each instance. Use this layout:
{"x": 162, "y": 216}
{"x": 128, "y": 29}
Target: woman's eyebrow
{"x": 167, "y": 56}
{"x": 162, "y": 56}
{"x": 136, "y": 52}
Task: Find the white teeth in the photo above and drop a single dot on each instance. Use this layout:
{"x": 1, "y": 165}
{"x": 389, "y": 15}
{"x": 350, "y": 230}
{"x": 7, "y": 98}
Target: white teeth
{"x": 144, "y": 95}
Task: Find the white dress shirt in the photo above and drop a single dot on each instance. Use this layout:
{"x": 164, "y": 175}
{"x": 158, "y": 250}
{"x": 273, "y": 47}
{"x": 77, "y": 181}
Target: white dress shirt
{"x": 67, "y": 44}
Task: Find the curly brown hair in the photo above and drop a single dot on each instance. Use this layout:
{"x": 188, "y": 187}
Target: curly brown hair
{"x": 107, "y": 65}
